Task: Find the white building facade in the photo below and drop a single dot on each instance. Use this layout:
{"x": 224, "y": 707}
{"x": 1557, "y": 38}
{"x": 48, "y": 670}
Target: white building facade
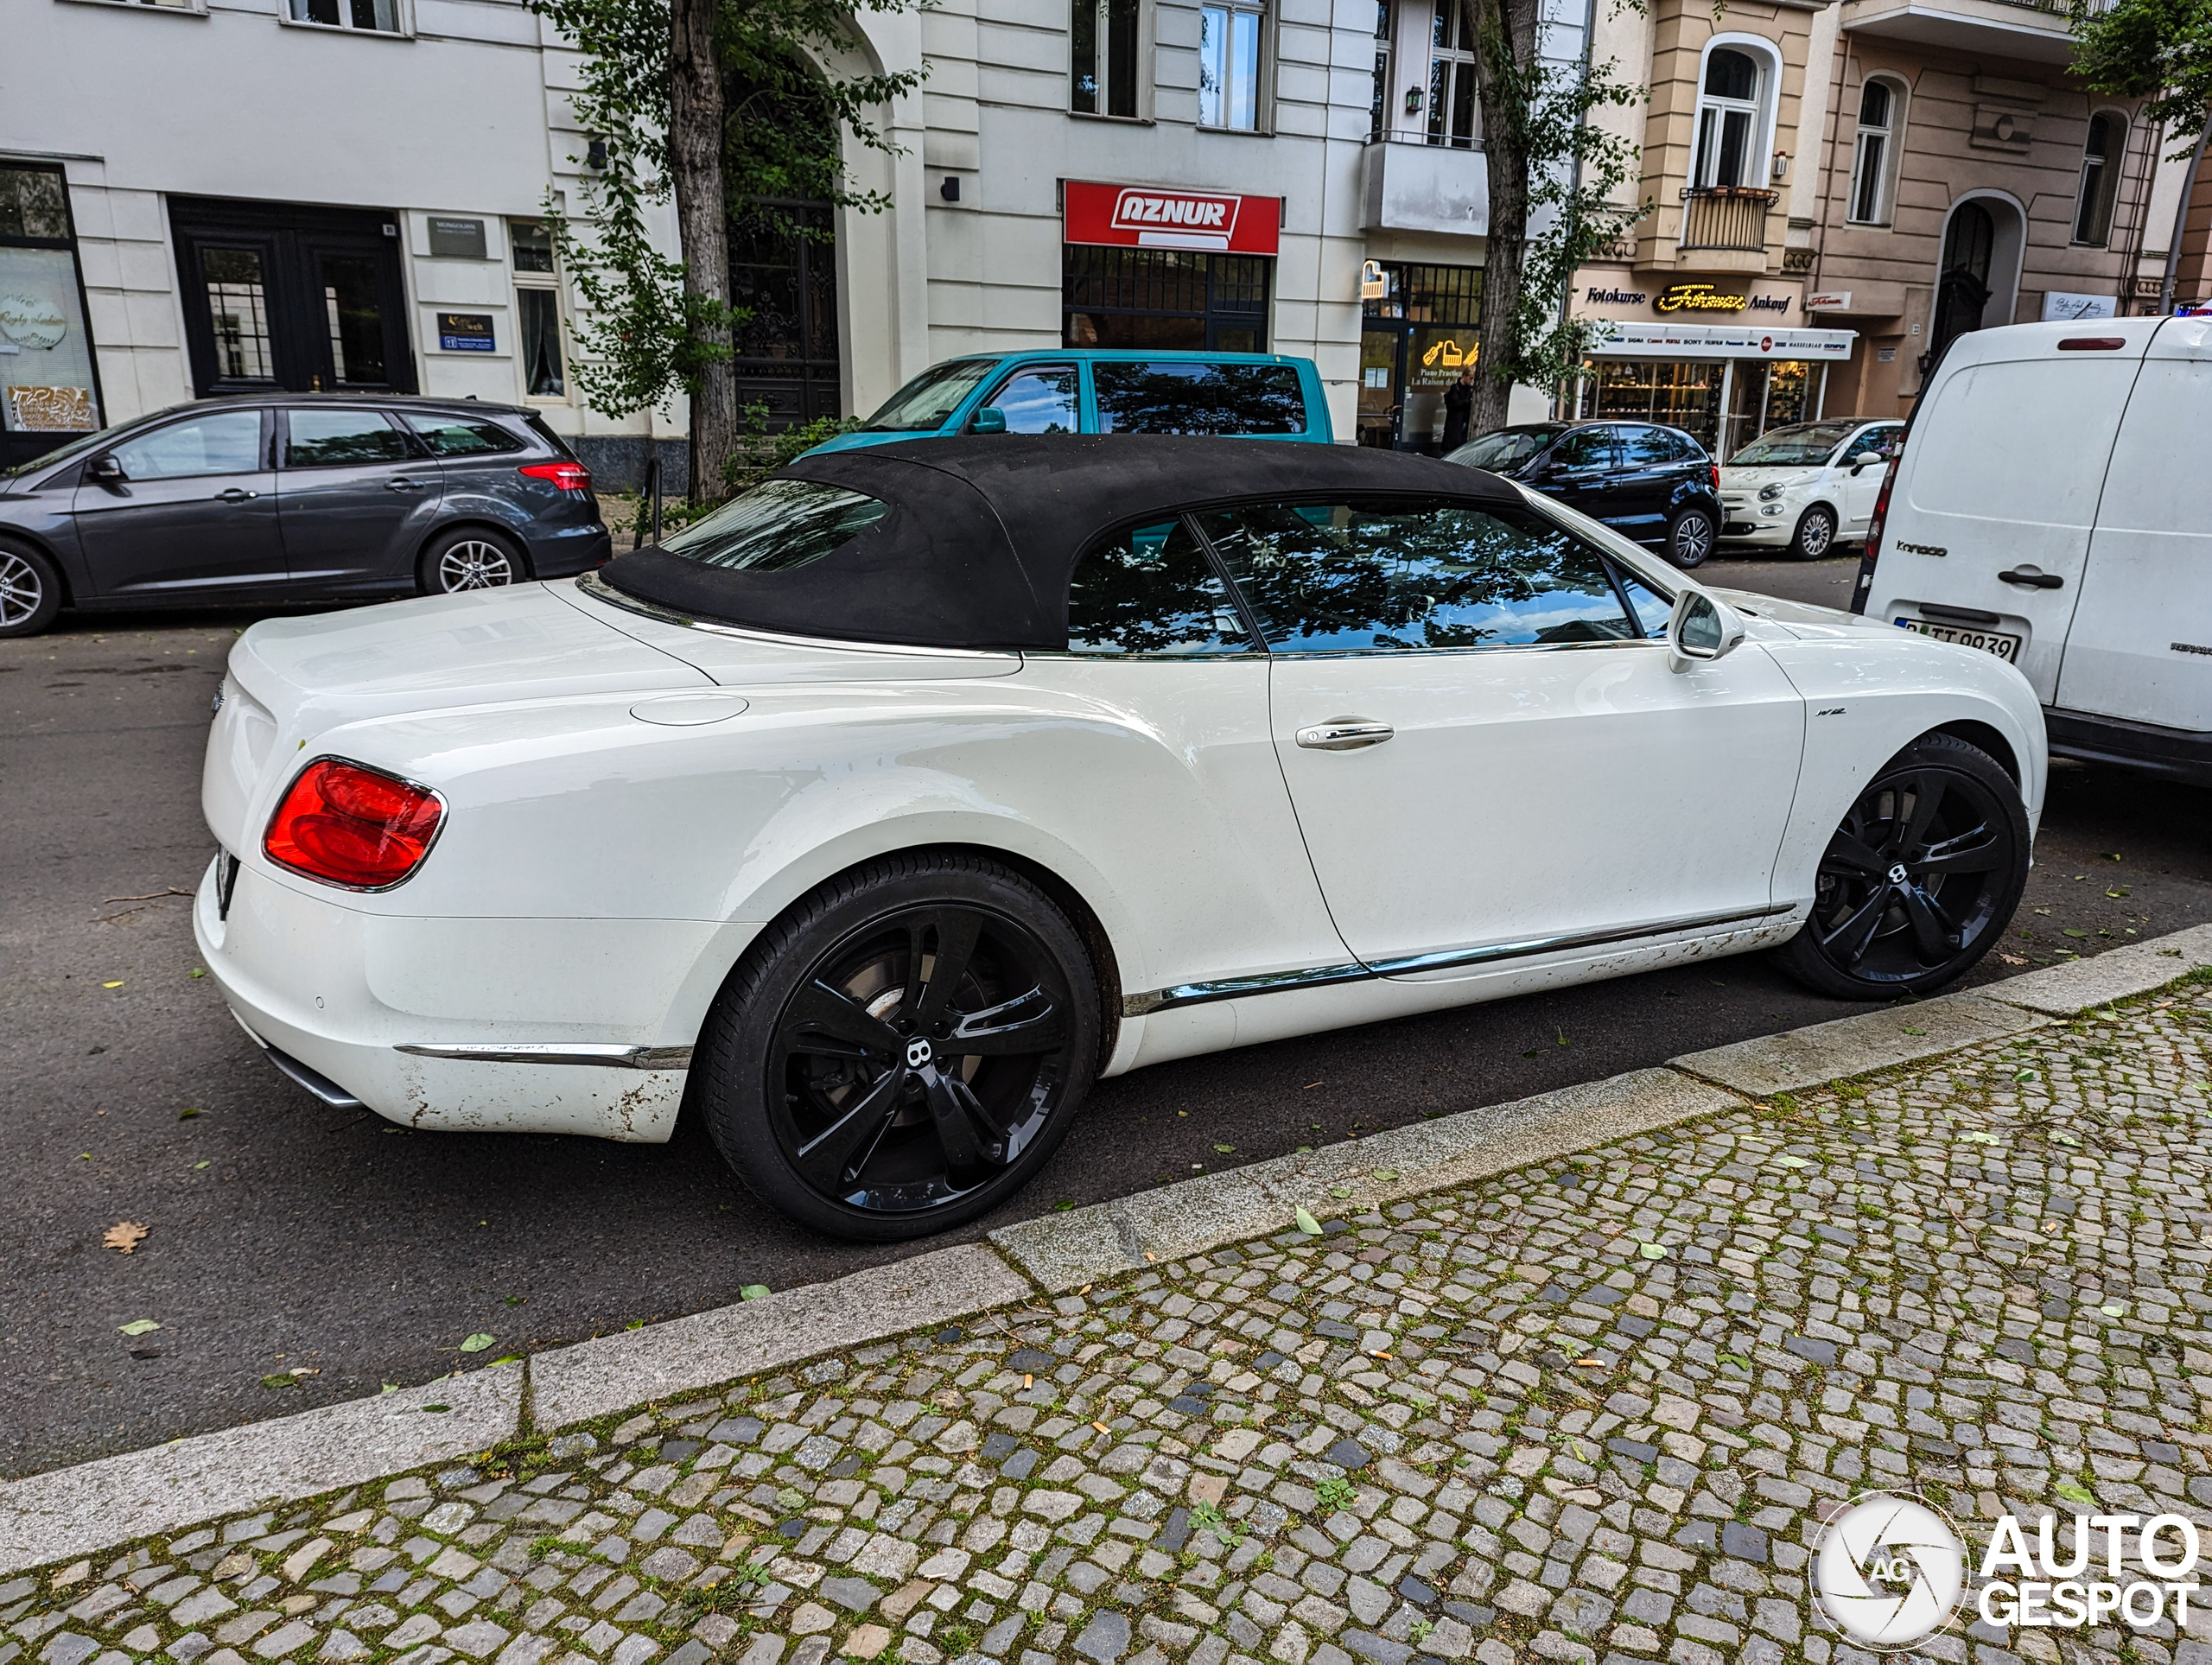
{"x": 212, "y": 195}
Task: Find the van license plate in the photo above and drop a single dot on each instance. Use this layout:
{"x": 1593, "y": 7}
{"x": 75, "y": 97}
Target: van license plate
{"x": 2005, "y": 647}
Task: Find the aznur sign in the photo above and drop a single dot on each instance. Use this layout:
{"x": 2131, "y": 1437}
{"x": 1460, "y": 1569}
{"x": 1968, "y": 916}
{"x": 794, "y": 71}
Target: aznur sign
{"x": 1170, "y": 217}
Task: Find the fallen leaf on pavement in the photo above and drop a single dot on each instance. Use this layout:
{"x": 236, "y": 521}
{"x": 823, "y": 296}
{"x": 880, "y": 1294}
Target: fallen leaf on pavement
{"x": 1654, "y": 1251}
{"x": 1340, "y": 1192}
{"x": 137, "y": 1327}
{"x": 1226, "y": 1150}
{"x": 753, "y": 1292}
{"x": 283, "y": 1379}
{"x": 1793, "y": 1161}
{"x": 1386, "y": 1175}
{"x": 117, "y": 984}
{"x": 1307, "y": 1223}
{"x": 124, "y": 1236}
{"x": 477, "y": 1343}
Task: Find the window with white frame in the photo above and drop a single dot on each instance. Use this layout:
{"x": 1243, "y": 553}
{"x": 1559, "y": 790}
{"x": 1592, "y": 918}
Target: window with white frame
{"x": 1453, "y": 117}
{"x": 1378, "y": 114}
{"x": 540, "y": 359}
{"x": 1106, "y": 59}
{"x": 1881, "y": 111}
{"x": 2101, "y": 150}
{"x": 1232, "y": 48}
{"x": 366, "y": 17}
{"x": 1730, "y": 118}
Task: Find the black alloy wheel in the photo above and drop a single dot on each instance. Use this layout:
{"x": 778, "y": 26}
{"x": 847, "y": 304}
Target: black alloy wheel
{"x": 1921, "y": 878}
{"x": 1689, "y": 538}
{"x": 1815, "y": 533}
{"x": 904, "y": 1050}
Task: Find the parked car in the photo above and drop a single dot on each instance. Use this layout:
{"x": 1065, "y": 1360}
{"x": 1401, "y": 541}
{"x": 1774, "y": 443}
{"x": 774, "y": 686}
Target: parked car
{"x": 1239, "y": 395}
{"x": 1032, "y": 761}
{"x": 1808, "y": 486}
{"x": 2074, "y": 548}
{"x": 1654, "y": 485}
{"x": 293, "y": 497}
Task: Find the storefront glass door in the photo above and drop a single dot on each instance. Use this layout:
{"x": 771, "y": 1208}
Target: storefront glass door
{"x": 1414, "y": 342}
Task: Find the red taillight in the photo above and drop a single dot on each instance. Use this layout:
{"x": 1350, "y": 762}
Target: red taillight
{"x": 1881, "y": 514}
{"x": 567, "y": 476}
{"x": 346, "y": 825}
{"x": 1716, "y": 476}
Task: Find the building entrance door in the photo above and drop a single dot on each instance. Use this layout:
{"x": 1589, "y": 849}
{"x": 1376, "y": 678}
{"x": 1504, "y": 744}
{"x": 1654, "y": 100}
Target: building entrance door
{"x": 280, "y": 295}
{"x": 1414, "y": 342}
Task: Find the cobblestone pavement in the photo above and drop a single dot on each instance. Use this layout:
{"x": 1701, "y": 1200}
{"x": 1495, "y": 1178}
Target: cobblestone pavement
{"x": 1593, "y": 1411}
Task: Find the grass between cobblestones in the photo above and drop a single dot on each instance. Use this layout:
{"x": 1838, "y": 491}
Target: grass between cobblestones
{"x": 1593, "y": 1410}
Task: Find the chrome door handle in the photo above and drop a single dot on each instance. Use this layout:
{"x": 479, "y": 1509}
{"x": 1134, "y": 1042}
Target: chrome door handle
{"x": 401, "y": 483}
{"x": 1345, "y": 734}
{"x": 235, "y": 494}
{"x": 2031, "y": 580}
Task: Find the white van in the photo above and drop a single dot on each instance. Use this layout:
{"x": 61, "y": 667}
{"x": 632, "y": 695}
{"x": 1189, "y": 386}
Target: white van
{"x": 2053, "y": 506}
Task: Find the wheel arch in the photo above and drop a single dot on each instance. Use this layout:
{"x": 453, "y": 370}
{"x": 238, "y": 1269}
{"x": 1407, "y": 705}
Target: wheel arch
{"x": 47, "y": 553}
{"x": 1985, "y": 738}
{"x": 475, "y": 522}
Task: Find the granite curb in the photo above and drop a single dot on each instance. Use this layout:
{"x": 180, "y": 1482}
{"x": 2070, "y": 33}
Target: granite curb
{"x": 68, "y": 1512}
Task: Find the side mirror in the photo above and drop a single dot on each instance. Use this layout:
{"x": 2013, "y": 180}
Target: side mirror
{"x": 105, "y": 469}
{"x": 1865, "y": 459}
{"x": 1702, "y": 630}
{"x": 989, "y": 420}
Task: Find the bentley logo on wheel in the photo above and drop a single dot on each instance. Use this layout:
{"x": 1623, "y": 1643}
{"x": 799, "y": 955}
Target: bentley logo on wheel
{"x": 1890, "y": 1570}
{"x": 917, "y": 1054}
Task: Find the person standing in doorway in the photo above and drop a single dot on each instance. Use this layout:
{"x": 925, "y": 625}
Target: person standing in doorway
{"x": 1458, "y": 403}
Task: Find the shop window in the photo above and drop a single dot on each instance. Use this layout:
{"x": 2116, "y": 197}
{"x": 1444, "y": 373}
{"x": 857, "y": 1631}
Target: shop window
{"x": 1731, "y": 119}
{"x": 2101, "y": 154}
{"x": 1415, "y": 338}
{"x": 537, "y": 311}
{"x": 1232, "y": 47}
{"x": 46, "y": 385}
{"x": 1881, "y": 107}
{"x": 1453, "y": 112}
{"x": 1164, "y": 298}
{"x": 367, "y": 17}
{"x": 1106, "y": 59}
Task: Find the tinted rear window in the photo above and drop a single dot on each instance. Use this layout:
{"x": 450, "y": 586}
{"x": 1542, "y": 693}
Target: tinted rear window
{"x": 1189, "y": 396}
{"x": 461, "y": 437}
{"x": 538, "y": 426}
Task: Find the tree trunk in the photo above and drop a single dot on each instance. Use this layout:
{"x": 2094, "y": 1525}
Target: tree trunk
{"x": 695, "y": 166}
{"x": 1506, "y": 35}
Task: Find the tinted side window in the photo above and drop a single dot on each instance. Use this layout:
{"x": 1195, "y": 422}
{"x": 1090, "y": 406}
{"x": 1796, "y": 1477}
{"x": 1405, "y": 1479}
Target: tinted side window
{"x": 1650, "y": 607}
{"x": 326, "y": 439}
{"x": 1038, "y": 401}
{"x": 226, "y": 443}
{"x": 1185, "y": 397}
{"x": 1584, "y": 448}
{"x": 461, "y": 436}
{"x": 1647, "y": 448}
{"x": 1351, "y": 577}
{"x": 1882, "y": 441}
{"x": 1152, "y": 591}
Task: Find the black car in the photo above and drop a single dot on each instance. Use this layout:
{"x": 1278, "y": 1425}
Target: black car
{"x": 294, "y": 498}
{"x": 1654, "y": 485}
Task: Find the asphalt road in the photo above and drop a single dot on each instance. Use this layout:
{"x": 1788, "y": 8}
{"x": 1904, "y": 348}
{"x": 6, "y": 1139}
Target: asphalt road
{"x": 282, "y": 1235}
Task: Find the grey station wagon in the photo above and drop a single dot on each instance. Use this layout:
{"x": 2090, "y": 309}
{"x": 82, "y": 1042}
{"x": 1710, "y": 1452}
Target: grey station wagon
{"x": 294, "y": 498}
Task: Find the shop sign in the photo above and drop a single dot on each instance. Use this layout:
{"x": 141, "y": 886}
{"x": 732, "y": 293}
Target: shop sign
{"x": 1698, "y": 297}
{"x": 1828, "y": 301}
{"x": 32, "y": 321}
{"x": 1629, "y": 340}
{"x": 1165, "y": 217}
{"x": 457, "y": 239}
{"x": 465, "y": 331}
{"x": 1374, "y": 282}
{"x": 1597, "y": 297}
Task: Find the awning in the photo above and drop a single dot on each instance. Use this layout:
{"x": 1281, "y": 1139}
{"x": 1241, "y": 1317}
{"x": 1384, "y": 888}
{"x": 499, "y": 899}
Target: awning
{"x": 1618, "y": 339}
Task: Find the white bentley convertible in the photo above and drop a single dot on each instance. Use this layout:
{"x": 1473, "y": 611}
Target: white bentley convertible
{"x": 878, "y": 813}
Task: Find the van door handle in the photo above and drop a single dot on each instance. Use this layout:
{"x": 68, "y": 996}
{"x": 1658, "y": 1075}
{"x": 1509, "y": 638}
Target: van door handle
{"x": 235, "y": 494}
{"x": 1345, "y": 734}
{"x": 2027, "y": 579}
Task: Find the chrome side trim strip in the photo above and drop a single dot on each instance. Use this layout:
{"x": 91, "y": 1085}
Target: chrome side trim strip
{"x": 604, "y": 1055}
{"x": 1198, "y": 993}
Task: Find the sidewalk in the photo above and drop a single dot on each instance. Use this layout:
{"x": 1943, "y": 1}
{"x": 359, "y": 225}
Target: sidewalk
{"x": 1588, "y": 1408}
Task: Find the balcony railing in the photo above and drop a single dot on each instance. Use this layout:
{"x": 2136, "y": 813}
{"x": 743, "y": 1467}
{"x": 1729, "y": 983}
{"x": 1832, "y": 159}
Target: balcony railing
{"x": 1725, "y": 217}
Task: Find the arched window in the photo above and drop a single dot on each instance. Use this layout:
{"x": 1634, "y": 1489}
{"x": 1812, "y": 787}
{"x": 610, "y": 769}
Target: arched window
{"x": 1729, "y": 119}
{"x": 1881, "y": 122}
{"x": 2101, "y": 154}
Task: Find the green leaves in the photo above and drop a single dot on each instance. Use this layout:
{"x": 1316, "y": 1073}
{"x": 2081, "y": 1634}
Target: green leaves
{"x": 137, "y": 1327}
{"x": 2075, "y": 1493}
{"x": 1653, "y": 1251}
{"x": 476, "y": 1343}
{"x": 753, "y": 1292}
{"x": 1307, "y": 1223}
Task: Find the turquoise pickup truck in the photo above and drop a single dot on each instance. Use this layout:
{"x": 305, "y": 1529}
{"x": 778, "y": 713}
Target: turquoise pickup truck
{"x": 1238, "y": 395}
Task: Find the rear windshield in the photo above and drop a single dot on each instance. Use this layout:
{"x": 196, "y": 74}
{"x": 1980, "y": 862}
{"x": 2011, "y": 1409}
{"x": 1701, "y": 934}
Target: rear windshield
{"x": 777, "y": 525}
{"x": 1506, "y": 450}
{"x": 1190, "y": 396}
{"x": 1806, "y": 445}
{"x": 924, "y": 403}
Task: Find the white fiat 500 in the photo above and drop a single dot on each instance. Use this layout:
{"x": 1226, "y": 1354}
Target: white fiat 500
{"x": 877, "y": 814}
{"x": 1808, "y": 487}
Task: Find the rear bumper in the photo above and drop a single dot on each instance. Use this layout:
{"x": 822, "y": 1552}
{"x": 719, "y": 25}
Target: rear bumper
{"x": 2180, "y": 754}
{"x": 335, "y": 993}
{"x": 564, "y": 551}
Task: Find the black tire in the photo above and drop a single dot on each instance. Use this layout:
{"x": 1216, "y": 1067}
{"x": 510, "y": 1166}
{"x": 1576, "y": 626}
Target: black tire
{"x": 820, "y": 1073}
{"x": 30, "y": 591}
{"x": 1940, "y": 810}
{"x": 1689, "y": 538}
{"x": 1815, "y": 534}
{"x": 470, "y": 557}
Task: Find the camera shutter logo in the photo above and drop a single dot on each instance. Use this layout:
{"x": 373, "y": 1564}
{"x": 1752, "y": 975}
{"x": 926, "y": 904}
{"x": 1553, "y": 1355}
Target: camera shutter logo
{"x": 1890, "y": 1571}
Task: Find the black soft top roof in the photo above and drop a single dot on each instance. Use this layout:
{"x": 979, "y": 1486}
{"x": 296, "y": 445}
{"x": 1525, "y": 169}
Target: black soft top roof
{"x": 984, "y": 531}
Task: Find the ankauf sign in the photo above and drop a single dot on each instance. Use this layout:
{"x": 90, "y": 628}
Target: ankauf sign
{"x": 1170, "y": 217}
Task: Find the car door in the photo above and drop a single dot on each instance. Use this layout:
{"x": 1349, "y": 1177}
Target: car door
{"x": 1039, "y": 399}
{"x": 1639, "y": 499}
{"x": 355, "y": 496}
{"x": 193, "y": 510}
{"x": 2139, "y": 647}
{"x": 1579, "y": 470}
{"x": 1490, "y": 757}
{"x": 1857, "y": 491}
